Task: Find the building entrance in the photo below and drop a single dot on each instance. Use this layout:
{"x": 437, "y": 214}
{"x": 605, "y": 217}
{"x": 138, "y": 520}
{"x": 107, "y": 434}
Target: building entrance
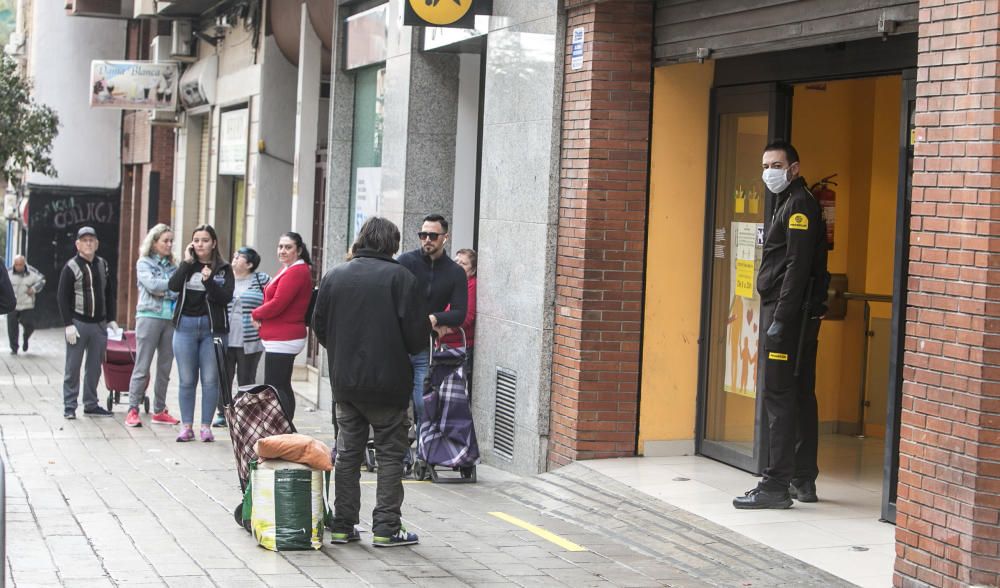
{"x": 848, "y": 135}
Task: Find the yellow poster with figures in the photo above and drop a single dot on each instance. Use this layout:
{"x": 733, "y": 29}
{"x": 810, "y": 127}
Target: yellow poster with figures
{"x": 743, "y": 322}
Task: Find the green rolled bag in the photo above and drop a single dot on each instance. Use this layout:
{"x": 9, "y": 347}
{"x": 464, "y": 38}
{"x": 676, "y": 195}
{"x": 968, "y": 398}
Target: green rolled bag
{"x": 286, "y": 505}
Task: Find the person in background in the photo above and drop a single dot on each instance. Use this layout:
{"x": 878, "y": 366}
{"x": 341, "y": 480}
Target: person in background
{"x": 370, "y": 317}
{"x": 245, "y": 347}
{"x": 281, "y": 319}
{"x": 205, "y": 283}
{"x": 154, "y": 327}
{"x": 468, "y": 259}
{"x": 27, "y": 283}
{"x": 443, "y": 285}
{"x": 87, "y": 302}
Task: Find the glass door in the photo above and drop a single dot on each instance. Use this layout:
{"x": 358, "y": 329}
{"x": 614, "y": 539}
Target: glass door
{"x": 744, "y": 120}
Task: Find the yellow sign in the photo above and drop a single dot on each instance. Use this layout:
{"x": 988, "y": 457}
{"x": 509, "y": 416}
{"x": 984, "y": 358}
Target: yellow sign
{"x": 798, "y": 221}
{"x": 444, "y": 13}
{"x": 777, "y": 356}
{"x": 744, "y": 278}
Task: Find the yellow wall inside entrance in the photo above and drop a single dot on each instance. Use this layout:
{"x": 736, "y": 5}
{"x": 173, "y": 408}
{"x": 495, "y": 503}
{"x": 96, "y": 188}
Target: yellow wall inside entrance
{"x": 847, "y": 127}
{"x": 678, "y": 166}
{"x": 851, "y": 128}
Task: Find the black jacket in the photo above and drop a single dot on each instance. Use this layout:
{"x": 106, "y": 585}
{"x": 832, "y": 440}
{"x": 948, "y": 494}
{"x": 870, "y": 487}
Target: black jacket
{"x": 87, "y": 291}
{"x": 370, "y": 317}
{"x": 795, "y": 250}
{"x": 442, "y": 282}
{"x": 8, "y": 300}
{"x": 218, "y": 293}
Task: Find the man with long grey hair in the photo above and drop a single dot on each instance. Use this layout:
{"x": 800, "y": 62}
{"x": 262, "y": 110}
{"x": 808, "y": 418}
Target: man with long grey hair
{"x": 370, "y": 317}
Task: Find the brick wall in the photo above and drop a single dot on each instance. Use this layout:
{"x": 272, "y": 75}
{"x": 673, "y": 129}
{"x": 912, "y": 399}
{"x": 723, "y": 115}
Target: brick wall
{"x": 948, "y": 522}
{"x": 601, "y": 242}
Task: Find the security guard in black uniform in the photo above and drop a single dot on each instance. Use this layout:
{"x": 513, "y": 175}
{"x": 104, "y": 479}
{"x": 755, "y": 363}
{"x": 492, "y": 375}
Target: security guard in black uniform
{"x": 792, "y": 283}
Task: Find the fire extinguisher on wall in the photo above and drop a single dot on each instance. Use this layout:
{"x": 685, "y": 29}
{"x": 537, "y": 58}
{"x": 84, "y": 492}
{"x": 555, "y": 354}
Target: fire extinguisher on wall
{"x": 828, "y": 201}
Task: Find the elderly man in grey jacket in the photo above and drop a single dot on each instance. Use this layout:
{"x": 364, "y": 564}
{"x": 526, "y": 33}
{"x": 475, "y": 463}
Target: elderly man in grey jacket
{"x": 27, "y": 283}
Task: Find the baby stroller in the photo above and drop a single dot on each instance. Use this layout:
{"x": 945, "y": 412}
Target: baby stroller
{"x": 119, "y": 360}
{"x": 256, "y": 412}
{"x": 447, "y": 437}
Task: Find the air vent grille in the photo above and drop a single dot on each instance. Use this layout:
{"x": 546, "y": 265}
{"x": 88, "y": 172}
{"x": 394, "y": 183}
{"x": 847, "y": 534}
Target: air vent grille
{"x": 503, "y": 428}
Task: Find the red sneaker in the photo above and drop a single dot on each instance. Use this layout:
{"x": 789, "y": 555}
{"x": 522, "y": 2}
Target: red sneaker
{"x": 132, "y": 418}
{"x": 164, "y": 418}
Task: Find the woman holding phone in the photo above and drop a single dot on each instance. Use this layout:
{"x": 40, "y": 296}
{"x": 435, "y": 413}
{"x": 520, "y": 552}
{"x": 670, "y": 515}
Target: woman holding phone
{"x": 204, "y": 282}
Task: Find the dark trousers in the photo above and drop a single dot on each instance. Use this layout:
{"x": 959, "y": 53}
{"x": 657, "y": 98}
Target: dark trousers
{"x": 239, "y": 365}
{"x": 278, "y": 373}
{"x": 390, "y": 425}
{"x": 92, "y": 343}
{"x": 790, "y": 403}
{"x": 16, "y": 318}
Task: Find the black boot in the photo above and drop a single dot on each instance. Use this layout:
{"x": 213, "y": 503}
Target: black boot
{"x": 762, "y": 498}
{"x": 804, "y": 491}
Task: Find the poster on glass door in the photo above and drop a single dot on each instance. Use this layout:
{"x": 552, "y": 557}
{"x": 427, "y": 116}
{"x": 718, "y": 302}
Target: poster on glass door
{"x": 743, "y": 320}
{"x": 367, "y": 194}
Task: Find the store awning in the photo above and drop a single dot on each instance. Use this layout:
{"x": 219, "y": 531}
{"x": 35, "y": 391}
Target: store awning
{"x": 284, "y": 20}
{"x": 188, "y": 8}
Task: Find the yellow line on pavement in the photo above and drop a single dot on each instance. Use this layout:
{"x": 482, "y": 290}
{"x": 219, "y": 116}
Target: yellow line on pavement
{"x": 547, "y": 535}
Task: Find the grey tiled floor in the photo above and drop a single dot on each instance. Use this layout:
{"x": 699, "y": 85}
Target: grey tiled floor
{"x": 91, "y": 502}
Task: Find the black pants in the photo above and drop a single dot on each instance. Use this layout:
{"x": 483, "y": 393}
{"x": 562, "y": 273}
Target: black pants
{"x": 278, "y": 373}
{"x": 790, "y": 403}
{"x": 22, "y": 317}
{"x": 390, "y": 425}
{"x": 242, "y": 366}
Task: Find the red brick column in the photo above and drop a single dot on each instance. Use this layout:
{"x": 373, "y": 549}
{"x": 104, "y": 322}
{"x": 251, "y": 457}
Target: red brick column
{"x": 602, "y": 220}
{"x": 948, "y": 522}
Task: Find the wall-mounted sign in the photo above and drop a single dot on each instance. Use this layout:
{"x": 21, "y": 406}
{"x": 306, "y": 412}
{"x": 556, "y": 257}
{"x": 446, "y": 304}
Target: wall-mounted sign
{"x": 577, "y": 52}
{"x": 366, "y": 33}
{"x": 133, "y": 85}
{"x": 233, "y": 142}
{"x": 445, "y": 13}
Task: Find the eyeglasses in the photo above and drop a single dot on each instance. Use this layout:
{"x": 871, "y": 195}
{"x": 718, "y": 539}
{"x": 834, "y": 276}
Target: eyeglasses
{"x": 432, "y": 236}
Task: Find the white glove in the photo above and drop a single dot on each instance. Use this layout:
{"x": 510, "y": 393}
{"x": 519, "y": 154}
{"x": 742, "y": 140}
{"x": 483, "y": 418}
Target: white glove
{"x": 113, "y": 326}
{"x": 72, "y": 334}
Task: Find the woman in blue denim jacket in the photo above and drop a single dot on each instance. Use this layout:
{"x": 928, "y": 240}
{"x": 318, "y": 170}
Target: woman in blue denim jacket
{"x": 154, "y": 328}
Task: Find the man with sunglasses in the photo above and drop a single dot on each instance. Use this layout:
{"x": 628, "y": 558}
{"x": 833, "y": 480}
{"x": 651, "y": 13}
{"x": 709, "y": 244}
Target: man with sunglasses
{"x": 442, "y": 283}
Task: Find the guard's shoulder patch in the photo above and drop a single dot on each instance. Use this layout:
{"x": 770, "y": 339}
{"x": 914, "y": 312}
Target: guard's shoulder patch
{"x": 798, "y": 221}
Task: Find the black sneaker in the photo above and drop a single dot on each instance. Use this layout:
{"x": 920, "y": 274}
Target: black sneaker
{"x": 344, "y": 538}
{"x": 401, "y": 537}
{"x": 25, "y": 346}
{"x": 69, "y": 415}
{"x": 13, "y": 351}
{"x": 761, "y": 498}
{"x": 803, "y": 491}
{"x": 97, "y": 411}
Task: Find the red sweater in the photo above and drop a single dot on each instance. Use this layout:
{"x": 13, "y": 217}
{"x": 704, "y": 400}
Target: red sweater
{"x": 454, "y": 339}
{"x": 286, "y": 299}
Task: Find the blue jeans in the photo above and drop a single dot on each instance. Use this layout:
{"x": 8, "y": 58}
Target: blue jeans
{"x": 194, "y": 353}
{"x": 419, "y": 362}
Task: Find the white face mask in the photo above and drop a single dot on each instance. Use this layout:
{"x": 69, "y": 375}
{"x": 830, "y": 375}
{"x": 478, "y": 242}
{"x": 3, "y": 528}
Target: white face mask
{"x": 775, "y": 179}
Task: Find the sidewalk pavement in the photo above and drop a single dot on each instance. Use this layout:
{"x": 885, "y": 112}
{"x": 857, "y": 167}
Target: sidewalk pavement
{"x": 91, "y": 502}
